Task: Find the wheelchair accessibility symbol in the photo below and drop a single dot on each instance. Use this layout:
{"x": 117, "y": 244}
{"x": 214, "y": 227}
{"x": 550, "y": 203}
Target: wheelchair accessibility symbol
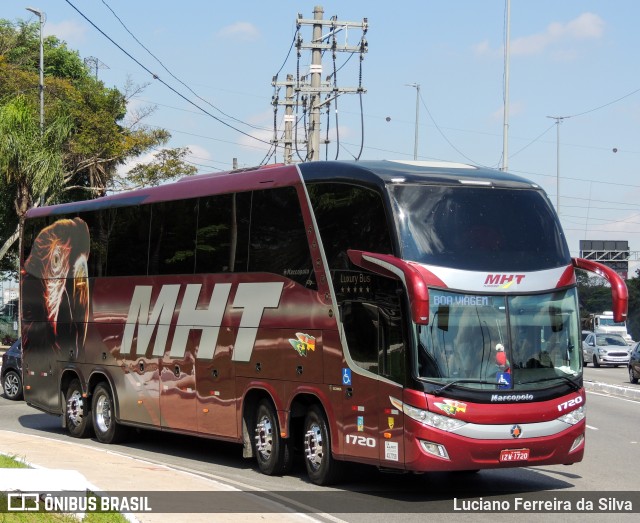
{"x": 346, "y": 376}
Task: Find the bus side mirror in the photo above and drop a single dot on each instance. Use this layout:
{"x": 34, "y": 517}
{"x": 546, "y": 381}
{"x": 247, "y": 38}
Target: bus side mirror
{"x": 619, "y": 291}
{"x": 413, "y": 276}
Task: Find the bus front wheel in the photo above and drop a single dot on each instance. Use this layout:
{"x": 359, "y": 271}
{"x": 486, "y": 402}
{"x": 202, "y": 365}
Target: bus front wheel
{"x": 273, "y": 453}
{"x": 322, "y": 468}
{"x": 103, "y": 414}
{"x": 76, "y": 412}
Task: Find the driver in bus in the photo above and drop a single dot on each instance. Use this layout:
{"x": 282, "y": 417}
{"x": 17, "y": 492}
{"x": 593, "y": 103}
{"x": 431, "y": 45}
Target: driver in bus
{"x": 523, "y": 348}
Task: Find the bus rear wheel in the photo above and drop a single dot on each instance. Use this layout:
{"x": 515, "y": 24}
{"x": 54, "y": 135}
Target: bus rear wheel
{"x": 76, "y": 412}
{"x": 322, "y": 468}
{"x": 273, "y": 453}
{"x": 103, "y": 414}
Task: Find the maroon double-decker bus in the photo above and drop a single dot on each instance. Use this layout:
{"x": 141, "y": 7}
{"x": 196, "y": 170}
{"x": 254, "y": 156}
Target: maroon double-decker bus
{"x": 412, "y": 316}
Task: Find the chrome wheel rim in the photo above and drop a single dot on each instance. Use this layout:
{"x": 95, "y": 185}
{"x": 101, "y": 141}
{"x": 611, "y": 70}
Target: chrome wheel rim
{"x": 75, "y": 408}
{"x": 313, "y": 446}
{"x": 103, "y": 413}
{"x": 264, "y": 437}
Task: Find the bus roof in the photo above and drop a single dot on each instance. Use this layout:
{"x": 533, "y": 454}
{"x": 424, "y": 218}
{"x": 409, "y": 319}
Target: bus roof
{"x": 374, "y": 173}
{"x": 390, "y": 171}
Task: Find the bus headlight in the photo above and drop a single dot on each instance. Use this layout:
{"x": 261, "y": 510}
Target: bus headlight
{"x": 574, "y": 416}
{"x": 430, "y": 419}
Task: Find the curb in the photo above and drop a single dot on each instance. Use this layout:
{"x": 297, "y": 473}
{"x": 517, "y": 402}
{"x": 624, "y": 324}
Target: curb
{"x": 612, "y": 390}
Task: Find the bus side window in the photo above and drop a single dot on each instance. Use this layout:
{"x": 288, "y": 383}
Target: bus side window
{"x": 222, "y": 237}
{"x": 98, "y": 238}
{"x": 127, "y": 234}
{"x": 278, "y": 240}
{"x": 173, "y": 236}
{"x": 349, "y": 217}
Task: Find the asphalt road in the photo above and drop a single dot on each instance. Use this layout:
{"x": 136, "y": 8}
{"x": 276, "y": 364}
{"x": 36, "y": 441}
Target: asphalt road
{"x": 607, "y": 472}
{"x": 614, "y": 376}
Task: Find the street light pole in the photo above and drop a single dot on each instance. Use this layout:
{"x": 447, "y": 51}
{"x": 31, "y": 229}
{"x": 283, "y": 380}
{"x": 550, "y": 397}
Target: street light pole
{"x": 415, "y": 143}
{"x": 40, "y": 15}
{"x": 505, "y": 115}
{"x": 558, "y": 120}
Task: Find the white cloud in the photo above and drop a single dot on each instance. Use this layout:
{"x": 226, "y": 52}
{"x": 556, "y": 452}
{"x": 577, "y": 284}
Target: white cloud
{"x": 198, "y": 154}
{"x": 123, "y": 170}
{"x": 265, "y": 135}
{"x": 481, "y": 48}
{"x": 515, "y": 109}
{"x": 242, "y": 31}
{"x": 68, "y": 30}
{"x": 587, "y": 26}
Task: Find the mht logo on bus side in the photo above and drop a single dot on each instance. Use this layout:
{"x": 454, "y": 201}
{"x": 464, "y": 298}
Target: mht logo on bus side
{"x": 253, "y": 298}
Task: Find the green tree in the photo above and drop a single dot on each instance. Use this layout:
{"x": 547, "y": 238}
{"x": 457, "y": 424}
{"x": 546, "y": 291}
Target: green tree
{"x": 98, "y": 138}
{"x": 31, "y": 160}
{"x": 167, "y": 164}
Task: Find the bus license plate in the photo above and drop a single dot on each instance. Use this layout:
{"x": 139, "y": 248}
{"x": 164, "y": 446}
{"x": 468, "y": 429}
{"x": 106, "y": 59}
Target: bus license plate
{"x": 514, "y": 455}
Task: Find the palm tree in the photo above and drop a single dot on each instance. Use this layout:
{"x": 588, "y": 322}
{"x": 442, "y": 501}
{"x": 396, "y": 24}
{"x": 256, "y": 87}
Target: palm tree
{"x": 31, "y": 158}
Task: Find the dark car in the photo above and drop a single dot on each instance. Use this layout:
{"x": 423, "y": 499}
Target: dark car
{"x": 634, "y": 364}
{"x": 12, "y": 371}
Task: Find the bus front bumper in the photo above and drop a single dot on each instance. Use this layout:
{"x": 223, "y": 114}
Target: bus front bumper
{"x": 436, "y": 450}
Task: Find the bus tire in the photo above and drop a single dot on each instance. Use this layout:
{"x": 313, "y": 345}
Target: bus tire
{"x": 76, "y": 411}
{"x": 273, "y": 453}
{"x": 106, "y": 428}
{"x": 322, "y": 468}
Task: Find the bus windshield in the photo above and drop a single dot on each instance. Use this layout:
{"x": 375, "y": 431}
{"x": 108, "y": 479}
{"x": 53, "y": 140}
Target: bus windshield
{"x": 478, "y": 228}
{"x": 500, "y": 342}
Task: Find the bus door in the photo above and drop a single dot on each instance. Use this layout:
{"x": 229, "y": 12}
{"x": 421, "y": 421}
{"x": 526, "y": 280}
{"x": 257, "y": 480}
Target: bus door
{"x": 360, "y": 406}
{"x": 373, "y": 426}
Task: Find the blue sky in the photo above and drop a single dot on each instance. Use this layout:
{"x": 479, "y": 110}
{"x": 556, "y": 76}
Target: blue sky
{"x": 569, "y": 58}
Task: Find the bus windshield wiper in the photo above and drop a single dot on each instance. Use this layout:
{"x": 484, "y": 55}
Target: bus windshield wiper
{"x": 572, "y": 383}
{"x": 439, "y": 391}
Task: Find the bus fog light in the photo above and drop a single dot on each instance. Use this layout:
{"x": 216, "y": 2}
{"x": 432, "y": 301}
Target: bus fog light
{"x": 434, "y": 449}
{"x": 574, "y": 416}
{"x": 576, "y": 443}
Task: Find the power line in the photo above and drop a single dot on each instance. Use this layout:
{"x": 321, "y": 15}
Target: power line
{"x": 605, "y": 105}
{"x": 168, "y": 71}
{"x": 445, "y": 136}
{"x": 156, "y": 77}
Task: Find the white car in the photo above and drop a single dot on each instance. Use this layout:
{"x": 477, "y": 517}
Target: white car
{"x": 605, "y": 349}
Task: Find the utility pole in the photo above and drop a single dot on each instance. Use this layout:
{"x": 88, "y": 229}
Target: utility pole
{"x": 289, "y": 119}
{"x": 311, "y": 88}
{"x": 558, "y": 120}
{"x": 40, "y": 14}
{"x": 94, "y": 63}
{"x": 313, "y": 145}
{"x": 415, "y": 140}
